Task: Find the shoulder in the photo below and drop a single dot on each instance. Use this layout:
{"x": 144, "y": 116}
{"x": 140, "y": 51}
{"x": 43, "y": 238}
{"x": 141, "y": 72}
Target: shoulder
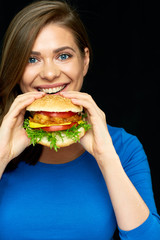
{"x": 120, "y": 137}
{"x": 128, "y": 146}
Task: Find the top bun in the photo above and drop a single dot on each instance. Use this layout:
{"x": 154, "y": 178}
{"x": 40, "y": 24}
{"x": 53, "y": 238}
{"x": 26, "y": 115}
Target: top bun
{"x": 54, "y": 103}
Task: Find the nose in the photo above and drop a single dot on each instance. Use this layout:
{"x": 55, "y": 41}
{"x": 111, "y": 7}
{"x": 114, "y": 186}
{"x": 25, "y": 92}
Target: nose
{"x": 49, "y": 71}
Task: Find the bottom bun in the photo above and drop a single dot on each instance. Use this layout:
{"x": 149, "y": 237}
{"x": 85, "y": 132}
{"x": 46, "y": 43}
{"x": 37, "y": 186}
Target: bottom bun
{"x": 62, "y": 143}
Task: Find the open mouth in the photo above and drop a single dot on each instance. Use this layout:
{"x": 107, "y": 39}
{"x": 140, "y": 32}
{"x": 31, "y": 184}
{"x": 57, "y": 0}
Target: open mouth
{"x": 52, "y": 90}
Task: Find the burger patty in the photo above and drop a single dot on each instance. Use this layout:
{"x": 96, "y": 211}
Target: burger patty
{"x": 44, "y": 119}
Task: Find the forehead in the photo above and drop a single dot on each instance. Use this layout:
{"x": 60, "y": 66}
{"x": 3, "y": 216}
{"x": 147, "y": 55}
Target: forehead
{"x": 54, "y": 36}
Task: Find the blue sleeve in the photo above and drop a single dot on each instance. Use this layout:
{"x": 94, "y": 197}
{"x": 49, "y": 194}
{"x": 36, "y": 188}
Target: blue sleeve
{"x": 149, "y": 230}
{"x": 136, "y": 166}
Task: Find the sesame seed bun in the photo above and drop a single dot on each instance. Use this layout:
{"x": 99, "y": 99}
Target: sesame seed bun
{"x": 54, "y": 103}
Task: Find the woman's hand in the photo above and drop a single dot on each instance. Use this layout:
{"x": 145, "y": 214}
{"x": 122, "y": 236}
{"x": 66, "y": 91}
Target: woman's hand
{"x": 13, "y": 138}
{"x": 97, "y": 140}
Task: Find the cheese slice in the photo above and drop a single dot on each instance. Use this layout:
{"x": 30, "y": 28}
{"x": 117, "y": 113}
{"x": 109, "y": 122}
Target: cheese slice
{"x": 38, "y": 125}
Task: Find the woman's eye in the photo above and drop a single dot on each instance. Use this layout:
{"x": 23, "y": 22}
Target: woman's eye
{"x": 64, "y": 56}
{"x": 32, "y": 60}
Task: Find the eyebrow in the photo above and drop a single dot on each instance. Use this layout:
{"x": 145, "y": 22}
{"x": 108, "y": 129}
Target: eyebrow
{"x": 54, "y": 51}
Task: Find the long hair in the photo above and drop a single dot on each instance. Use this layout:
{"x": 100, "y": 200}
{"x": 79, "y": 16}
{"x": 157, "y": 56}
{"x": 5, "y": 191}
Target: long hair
{"x": 20, "y": 37}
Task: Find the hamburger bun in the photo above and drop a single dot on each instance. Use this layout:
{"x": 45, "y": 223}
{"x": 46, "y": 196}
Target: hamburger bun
{"x": 54, "y": 103}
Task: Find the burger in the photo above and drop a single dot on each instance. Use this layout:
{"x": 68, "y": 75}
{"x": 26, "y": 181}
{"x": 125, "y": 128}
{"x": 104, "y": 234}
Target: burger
{"x": 55, "y": 122}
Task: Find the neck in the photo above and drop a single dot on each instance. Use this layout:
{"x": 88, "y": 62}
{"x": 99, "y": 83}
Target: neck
{"x": 64, "y": 155}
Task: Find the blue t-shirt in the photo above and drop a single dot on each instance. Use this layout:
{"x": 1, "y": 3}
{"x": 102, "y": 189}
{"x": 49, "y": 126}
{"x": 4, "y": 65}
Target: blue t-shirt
{"x": 71, "y": 201}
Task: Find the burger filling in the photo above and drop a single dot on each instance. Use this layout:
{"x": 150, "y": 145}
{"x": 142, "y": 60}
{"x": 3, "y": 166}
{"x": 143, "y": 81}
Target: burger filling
{"x": 48, "y": 119}
{"x": 55, "y": 125}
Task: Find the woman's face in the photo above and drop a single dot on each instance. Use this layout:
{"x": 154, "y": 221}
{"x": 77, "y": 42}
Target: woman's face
{"x": 55, "y": 62}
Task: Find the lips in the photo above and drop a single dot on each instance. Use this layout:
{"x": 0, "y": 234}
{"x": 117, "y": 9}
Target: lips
{"x": 52, "y": 90}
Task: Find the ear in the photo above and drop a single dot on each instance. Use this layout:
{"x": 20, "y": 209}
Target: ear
{"x": 86, "y": 61}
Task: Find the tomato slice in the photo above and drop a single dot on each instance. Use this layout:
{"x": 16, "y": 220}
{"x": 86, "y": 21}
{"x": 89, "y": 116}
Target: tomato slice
{"x": 58, "y": 114}
{"x": 59, "y": 127}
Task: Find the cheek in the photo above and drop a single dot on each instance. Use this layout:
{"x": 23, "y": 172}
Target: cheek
{"x": 74, "y": 71}
{"x": 76, "y": 76}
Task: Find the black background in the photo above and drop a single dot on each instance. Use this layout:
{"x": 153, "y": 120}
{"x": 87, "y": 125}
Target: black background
{"x": 124, "y": 76}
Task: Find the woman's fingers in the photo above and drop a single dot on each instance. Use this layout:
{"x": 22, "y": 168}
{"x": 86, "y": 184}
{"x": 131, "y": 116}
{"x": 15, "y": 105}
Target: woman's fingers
{"x": 83, "y": 99}
{"x": 23, "y": 100}
{"x": 19, "y": 105}
{"x": 13, "y": 138}
{"x": 97, "y": 137}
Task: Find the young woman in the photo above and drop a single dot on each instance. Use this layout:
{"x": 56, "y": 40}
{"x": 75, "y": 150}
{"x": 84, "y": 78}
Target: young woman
{"x": 85, "y": 190}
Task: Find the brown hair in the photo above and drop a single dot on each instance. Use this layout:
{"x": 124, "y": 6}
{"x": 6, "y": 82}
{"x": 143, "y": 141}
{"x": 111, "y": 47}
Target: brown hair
{"x": 18, "y": 43}
{"x": 20, "y": 37}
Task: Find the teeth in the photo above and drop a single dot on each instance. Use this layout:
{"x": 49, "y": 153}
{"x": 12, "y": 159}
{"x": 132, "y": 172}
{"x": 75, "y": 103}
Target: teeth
{"x": 52, "y": 90}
